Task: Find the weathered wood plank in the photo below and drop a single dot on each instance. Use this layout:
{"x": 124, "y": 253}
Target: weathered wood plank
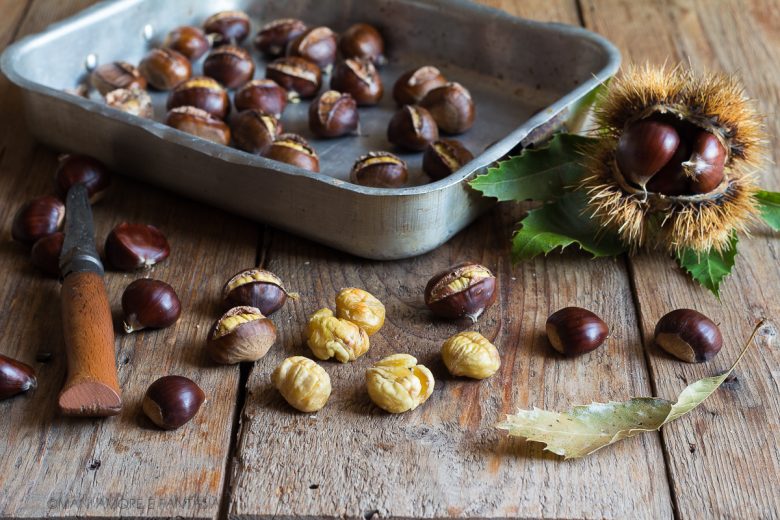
{"x": 52, "y": 466}
{"x": 723, "y": 459}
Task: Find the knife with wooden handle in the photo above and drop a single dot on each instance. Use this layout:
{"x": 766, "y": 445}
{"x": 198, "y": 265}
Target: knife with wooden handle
{"x": 92, "y": 387}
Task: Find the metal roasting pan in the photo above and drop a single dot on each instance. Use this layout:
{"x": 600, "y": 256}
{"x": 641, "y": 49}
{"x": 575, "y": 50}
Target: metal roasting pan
{"x": 525, "y": 77}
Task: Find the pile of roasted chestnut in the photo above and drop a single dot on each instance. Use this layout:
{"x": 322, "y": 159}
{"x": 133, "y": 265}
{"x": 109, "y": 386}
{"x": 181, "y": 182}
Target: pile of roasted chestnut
{"x": 300, "y": 57}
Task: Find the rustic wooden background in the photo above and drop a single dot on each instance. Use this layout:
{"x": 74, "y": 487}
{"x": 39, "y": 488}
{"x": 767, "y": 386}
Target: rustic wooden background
{"x": 248, "y": 455}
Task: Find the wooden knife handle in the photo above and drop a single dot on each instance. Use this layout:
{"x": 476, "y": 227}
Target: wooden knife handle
{"x": 92, "y": 387}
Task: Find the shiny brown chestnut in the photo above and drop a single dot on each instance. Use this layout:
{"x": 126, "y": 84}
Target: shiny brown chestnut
{"x": 379, "y": 170}
{"x": 118, "y": 74}
{"x": 363, "y": 41}
{"x": 172, "y": 401}
{"x": 644, "y": 148}
{"x": 452, "y": 107}
{"x": 199, "y": 123}
{"x": 358, "y": 78}
{"x": 671, "y": 179}
{"x": 295, "y": 150}
{"x": 414, "y": 84}
{"x": 230, "y": 65}
{"x": 261, "y": 94}
{"x": 705, "y": 167}
{"x": 462, "y": 291}
{"x": 81, "y": 169}
{"x": 189, "y": 41}
{"x": 45, "y": 253}
{"x": 130, "y": 247}
{"x": 256, "y": 288}
{"x": 241, "y": 334}
{"x": 688, "y": 335}
{"x": 412, "y": 128}
{"x": 333, "y": 114}
{"x": 227, "y": 27}
{"x": 148, "y": 303}
{"x": 201, "y": 92}
{"x": 318, "y": 45}
{"x": 15, "y": 377}
{"x": 444, "y": 157}
{"x": 296, "y": 75}
{"x": 133, "y": 101}
{"x": 254, "y": 131}
{"x": 273, "y": 37}
{"x": 573, "y": 331}
{"x": 165, "y": 69}
{"x": 38, "y": 218}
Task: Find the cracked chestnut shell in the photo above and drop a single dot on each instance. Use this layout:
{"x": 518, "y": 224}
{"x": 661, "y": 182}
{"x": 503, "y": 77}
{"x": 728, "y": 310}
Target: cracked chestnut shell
{"x": 172, "y": 401}
{"x": 130, "y": 247}
{"x": 689, "y": 336}
{"x": 412, "y": 128}
{"x": 273, "y": 37}
{"x": 189, "y": 41}
{"x": 230, "y": 65}
{"x": 199, "y": 123}
{"x": 254, "y": 131}
{"x": 45, "y": 254}
{"x": 81, "y": 169}
{"x": 296, "y": 75}
{"x": 360, "y": 79}
{"x": 444, "y": 157}
{"x": 295, "y": 150}
{"x": 363, "y": 41}
{"x": 165, "y": 69}
{"x": 241, "y": 334}
{"x": 227, "y": 27}
{"x": 132, "y": 101}
{"x": 261, "y": 94}
{"x": 148, "y": 303}
{"x": 318, "y": 45}
{"x": 379, "y": 170}
{"x": 38, "y": 218}
{"x": 256, "y": 288}
{"x": 573, "y": 331}
{"x": 412, "y": 86}
{"x": 463, "y": 290}
{"x": 201, "y": 92}
{"x": 15, "y": 377}
{"x": 118, "y": 74}
{"x": 333, "y": 114}
{"x": 452, "y": 107}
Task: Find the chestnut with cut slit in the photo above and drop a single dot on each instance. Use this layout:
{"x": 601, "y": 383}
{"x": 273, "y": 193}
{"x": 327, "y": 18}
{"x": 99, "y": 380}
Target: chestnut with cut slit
{"x": 295, "y": 150}
{"x": 444, "y": 157}
{"x": 296, "y": 75}
{"x": 360, "y": 79}
{"x": 363, "y": 41}
{"x": 317, "y": 45}
{"x": 412, "y": 128}
{"x": 379, "y": 170}
{"x": 688, "y": 335}
{"x": 414, "y": 84}
{"x": 241, "y": 334}
{"x": 227, "y": 27}
{"x": 256, "y": 288}
{"x": 199, "y": 123}
{"x": 273, "y": 37}
{"x": 573, "y": 331}
{"x": 165, "y": 69}
{"x": 261, "y": 94}
{"x": 201, "y": 92}
{"x": 115, "y": 75}
{"x": 452, "y": 107}
{"x": 333, "y": 114}
{"x": 255, "y": 131}
{"x": 189, "y": 41}
{"x": 230, "y": 65}
{"x": 463, "y": 290}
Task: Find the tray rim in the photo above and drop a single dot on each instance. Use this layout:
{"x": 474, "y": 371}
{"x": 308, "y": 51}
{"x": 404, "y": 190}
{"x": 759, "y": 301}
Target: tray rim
{"x": 496, "y": 151}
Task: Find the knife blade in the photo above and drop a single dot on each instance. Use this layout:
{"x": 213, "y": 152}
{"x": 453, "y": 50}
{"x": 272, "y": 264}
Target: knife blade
{"x": 79, "y": 253}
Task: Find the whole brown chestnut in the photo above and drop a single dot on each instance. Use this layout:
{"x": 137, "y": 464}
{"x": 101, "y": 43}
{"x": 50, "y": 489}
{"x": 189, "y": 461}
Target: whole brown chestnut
{"x": 412, "y": 128}
{"x": 227, "y": 27}
{"x": 358, "y": 78}
{"x": 671, "y": 179}
{"x": 241, "y": 334}
{"x": 172, "y": 401}
{"x": 414, "y": 84}
{"x": 45, "y": 254}
{"x": 452, "y": 108}
{"x": 165, "y": 69}
{"x": 295, "y": 150}
{"x": 573, "y": 331}
{"x": 463, "y": 290}
{"x": 133, "y": 101}
{"x": 317, "y": 45}
{"x": 80, "y": 169}
{"x": 230, "y": 65}
{"x": 444, "y": 157}
{"x": 261, "y": 94}
{"x": 363, "y": 41}
{"x": 15, "y": 377}
{"x": 201, "y": 92}
{"x": 296, "y": 75}
{"x": 333, "y": 114}
{"x": 273, "y": 37}
{"x": 148, "y": 303}
{"x": 705, "y": 167}
{"x": 190, "y": 41}
{"x": 256, "y": 288}
{"x": 688, "y": 335}
{"x": 118, "y": 74}
{"x": 38, "y": 218}
{"x": 130, "y": 247}
{"x": 644, "y": 148}
{"x": 379, "y": 170}
{"x": 199, "y": 123}
{"x": 254, "y": 132}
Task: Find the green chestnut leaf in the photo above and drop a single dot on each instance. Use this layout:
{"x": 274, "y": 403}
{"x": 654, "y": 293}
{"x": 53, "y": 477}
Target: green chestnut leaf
{"x": 711, "y": 267}
{"x": 769, "y": 202}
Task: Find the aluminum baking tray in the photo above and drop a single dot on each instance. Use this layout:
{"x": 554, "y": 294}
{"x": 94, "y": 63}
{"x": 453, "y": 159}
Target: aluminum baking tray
{"x": 523, "y": 75}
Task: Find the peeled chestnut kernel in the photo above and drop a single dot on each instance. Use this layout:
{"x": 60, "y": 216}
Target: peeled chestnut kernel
{"x": 15, "y": 377}
{"x": 361, "y": 308}
{"x": 133, "y": 101}
{"x": 358, "y": 78}
{"x": 232, "y": 66}
{"x": 241, "y": 334}
{"x": 227, "y": 27}
{"x": 171, "y": 401}
{"x": 81, "y": 169}
{"x": 445, "y": 157}
{"x": 148, "y": 303}
{"x": 705, "y": 167}
{"x": 333, "y": 114}
{"x": 165, "y": 69}
{"x": 45, "y": 254}
{"x": 261, "y": 94}
{"x": 273, "y": 37}
{"x": 199, "y": 123}
{"x": 38, "y": 218}
{"x": 452, "y": 107}
{"x": 688, "y": 335}
{"x": 379, "y": 170}
{"x": 189, "y": 41}
{"x": 644, "y": 148}
{"x": 463, "y": 290}
{"x": 130, "y": 247}
{"x": 254, "y": 131}
{"x": 256, "y": 288}
{"x": 296, "y": 75}
{"x": 413, "y": 85}
{"x": 573, "y": 331}
{"x": 363, "y": 41}
{"x": 317, "y": 45}
{"x": 412, "y": 128}
{"x": 118, "y": 74}
{"x": 201, "y": 92}
{"x": 295, "y": 150}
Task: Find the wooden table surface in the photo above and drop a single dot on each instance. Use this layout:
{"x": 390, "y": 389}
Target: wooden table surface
{"x": 248, "y": 455}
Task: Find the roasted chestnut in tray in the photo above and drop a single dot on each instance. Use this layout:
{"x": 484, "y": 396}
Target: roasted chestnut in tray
{"x": 412, "y": 128}
{"x": 452, "y": 107}
{"x": 227, "y": 27}
{"x": 363, "y": 41}
{"x": 115, "y": 75}
{"x": 273, "y": 37}
{"x": 297, "y": 75}
{"x": 189, "y": 41}
{"x": 261, "y": 94}
{"x": 317, "y": 45}
{"x": 414, "y": 84}
{"x": 165, "y": 69}
{"x": 230, "y": 65}
{"x": 360, "y": 79}
{"x": 254, "y": 131}
{"x": 201, "y": 92}
{"x": 444, "y": 158}
{"x": 333, "y": 114}
{"x": 379, "y": 170}
{"x": 295, "y": 150}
